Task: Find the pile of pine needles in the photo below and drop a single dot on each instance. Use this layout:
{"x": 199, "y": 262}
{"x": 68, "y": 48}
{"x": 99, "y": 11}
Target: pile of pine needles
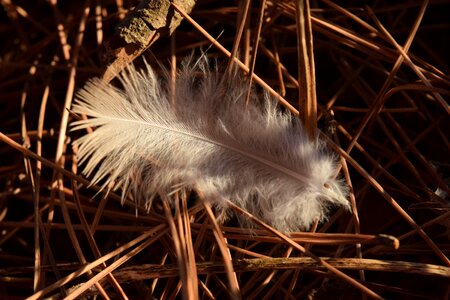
{"x": 373, "y": 77}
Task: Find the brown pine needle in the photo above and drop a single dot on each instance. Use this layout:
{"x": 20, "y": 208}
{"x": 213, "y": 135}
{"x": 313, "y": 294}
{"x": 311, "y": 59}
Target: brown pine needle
{"x": 369, "y": 79}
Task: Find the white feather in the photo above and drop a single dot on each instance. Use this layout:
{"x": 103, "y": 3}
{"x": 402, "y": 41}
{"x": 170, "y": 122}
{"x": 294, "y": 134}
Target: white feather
{"x": 255, "y": 156}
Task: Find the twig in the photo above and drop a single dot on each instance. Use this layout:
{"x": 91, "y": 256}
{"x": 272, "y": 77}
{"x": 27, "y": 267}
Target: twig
{"x": 148, "y": 271}
{"x": 139, "y": 30}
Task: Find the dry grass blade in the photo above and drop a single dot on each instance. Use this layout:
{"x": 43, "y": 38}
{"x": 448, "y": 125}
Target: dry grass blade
{"x": 183, "y": 247}
{"x": 107, "y": 271}
{"x": 379, "y": 102}
{"x": 92, "y": 243}
{"x": 71, "y": 85}
{"x": 148, "y": 238}
{"x": 307, "y": 80}
{"x": 392, "y": 202}
{"x": 408, "y": 60}
{"x": 290, "y": 242}
{"x": 226, "y": 256}
{"x": 256, "y": 78}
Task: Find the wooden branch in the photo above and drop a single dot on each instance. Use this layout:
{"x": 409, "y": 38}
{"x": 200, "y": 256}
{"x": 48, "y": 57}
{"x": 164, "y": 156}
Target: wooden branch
{"x": 149, "y": 271}
{"x": 141, "y": 28}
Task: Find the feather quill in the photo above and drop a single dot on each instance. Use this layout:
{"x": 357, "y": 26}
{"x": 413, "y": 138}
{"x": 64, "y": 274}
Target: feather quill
{"x": 254, "y": 155}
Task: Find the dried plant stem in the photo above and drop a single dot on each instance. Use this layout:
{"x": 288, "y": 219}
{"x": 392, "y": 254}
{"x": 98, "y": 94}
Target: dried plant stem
{"x": 58, "y": 184}
{"x": 99, "y": 22}
{"x": 382, "y": 94}
{"x": 242, "y": 17}
{"x": 226, "y": 256}
{"x": 143, "y": 272}
{"x": 39, "y": 276}
{"x": 37, "y": 249}
{"x": 74, "y": 239}
{"x": 46, "y": 162}
{"x": 257, "y": 37}
{"x": 380, "y": 99}
{"x": 148, "y": 237}
{"x": 257, "y": 79}
{"x": 404, "y": 54}
{"x": 306, "y": 72}
{"x": 184, "y": 225}
{"x": 290, "y": 242}
{"x": 71, "y": 85}
{"x": 80, "y": 290}
{"x": 394, "y": 204}
{"x": 29, "y": 171}
{"x": 436, "y": 220}
{"x": 355, "y": 215}
{"x": 92, "y": 243}
{"x": 190, "y": 289}
{"x": 61, "y": 30}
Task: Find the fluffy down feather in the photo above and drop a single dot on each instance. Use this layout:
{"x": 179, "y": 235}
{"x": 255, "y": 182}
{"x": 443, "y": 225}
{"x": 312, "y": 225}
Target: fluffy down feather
{"x": 254, "y": 155}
